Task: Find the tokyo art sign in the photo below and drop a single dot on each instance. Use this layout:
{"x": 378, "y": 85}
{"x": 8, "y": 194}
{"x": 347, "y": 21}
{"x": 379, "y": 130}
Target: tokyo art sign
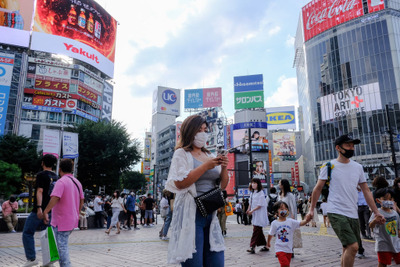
{"x": 321, "y": 15}
{"x": 350, "y": 101}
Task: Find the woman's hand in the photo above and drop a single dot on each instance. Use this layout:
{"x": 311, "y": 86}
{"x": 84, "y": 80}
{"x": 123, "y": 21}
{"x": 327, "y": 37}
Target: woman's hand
{"x": 223, "y": 160}
{"x": 212, "y": 163}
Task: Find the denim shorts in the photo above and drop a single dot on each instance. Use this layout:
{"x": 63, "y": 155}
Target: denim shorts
{"x": 148, "y": 214}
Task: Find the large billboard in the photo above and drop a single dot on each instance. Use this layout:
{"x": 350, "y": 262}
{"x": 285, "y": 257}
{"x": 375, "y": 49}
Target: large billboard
{"x": 16, "y": 21}
{"x": 284, "y": 145}
{"x": 259, "y": 137}
{"x": 249, "y": 91}
{"x": 203, "y": 98}
{"x": 79, "y": 29}
{"x": 321, "y": 15}
{"x": 167, "y": 101}
{"x": 351, "y": 101}
{"x": 107, "y": 102}
{"x": 260, "y": 170}
{"x": 6, "y": 71}
{"x": 281, "y": 118}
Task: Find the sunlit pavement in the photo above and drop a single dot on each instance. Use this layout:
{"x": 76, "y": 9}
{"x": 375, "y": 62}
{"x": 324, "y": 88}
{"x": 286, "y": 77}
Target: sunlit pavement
{"x": 143, "y": 247}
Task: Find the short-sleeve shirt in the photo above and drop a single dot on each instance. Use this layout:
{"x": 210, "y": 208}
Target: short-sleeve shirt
{"x": 65, "y": 213}
{"x": 43, "y": 180}
{"x": 260, "y": 216}
{"x": 386, "y": 235}
{"x": 324, "y": 208}
{"x": 96, "y": 205}
{"x": 149, "y": 203}
{"x": 343, "y": 195}
{"x": 283, "y": 232}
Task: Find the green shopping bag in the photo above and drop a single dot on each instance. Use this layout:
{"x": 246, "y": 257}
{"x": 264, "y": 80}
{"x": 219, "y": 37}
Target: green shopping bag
{"x": 49, "y": 246}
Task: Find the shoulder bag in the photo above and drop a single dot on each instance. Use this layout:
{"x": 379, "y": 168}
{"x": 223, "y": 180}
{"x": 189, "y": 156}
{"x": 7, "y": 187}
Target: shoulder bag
{"x": 210, "y": 201}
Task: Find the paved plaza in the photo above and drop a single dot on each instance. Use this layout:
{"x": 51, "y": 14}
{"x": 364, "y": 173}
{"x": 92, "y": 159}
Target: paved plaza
{"x": 144, "y": 248}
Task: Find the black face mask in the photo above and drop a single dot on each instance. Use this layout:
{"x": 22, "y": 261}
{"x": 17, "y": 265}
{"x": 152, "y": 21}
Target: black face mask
{"x": 348, "y": 153}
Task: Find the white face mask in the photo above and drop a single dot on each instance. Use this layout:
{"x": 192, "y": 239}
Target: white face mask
{"x": 200, "y": 139}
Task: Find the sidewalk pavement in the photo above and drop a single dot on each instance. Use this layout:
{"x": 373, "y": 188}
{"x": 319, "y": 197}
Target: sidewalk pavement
{"x": 143, "y": 247}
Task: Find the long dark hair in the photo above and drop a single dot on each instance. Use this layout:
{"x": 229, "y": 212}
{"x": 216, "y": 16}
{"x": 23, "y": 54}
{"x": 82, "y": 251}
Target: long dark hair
{"x": 190, "y": 127}
{"x": 286, "y": 187}
{"x": 258, "y": 182}
{"x": 116, "y": 197}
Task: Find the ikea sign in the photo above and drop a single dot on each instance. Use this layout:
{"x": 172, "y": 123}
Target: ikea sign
{"x": 281, "y": 119}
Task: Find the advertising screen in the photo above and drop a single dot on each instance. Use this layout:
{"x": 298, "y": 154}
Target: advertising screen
{"x": 230, "y": 188}
{"x": 349, "y": 101}
{"x": 375, "y": 5}
{"x": 281, "y": 118}
{"x": 6, "y": 71}
{"x": 284, "y": 145}
{"x": 203, "y": 98}
{"x": 259, "y": 141}
{"x": 321, "y": 15}
{"x": 260, "y": 170}
{"x": 16, "y": 21}
{"x": 79, "y": 29}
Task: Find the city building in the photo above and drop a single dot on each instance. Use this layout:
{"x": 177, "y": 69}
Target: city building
{"x": 57, "y": 73}
{"x": 347, "y": 63}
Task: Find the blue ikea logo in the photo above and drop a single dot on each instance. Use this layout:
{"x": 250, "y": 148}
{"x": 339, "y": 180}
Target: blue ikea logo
{"x": 280, "y": 118}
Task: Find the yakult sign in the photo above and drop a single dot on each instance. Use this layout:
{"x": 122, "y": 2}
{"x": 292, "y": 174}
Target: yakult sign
{"x": 321, "y": 15}
{"x": 349, "y": 101}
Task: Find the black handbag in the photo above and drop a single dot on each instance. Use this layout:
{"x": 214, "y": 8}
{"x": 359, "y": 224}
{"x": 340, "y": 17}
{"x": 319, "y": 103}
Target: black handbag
{"x": 210, "y": 201}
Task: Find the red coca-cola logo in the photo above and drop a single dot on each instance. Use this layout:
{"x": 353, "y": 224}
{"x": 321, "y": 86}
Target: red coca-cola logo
{"x": 329, "y": 12}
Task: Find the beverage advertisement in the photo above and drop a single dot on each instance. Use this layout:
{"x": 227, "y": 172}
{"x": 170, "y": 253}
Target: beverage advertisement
{"x": 16, "y": 21}
{"x": 321, "y": 15}
{"x": 375, "y": 5}
{"x": 6, "y": 71}
{"x": 81, "y": 29}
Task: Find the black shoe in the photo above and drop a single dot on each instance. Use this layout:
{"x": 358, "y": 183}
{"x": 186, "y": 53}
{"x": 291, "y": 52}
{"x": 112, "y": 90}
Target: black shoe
{"x": 264, "y": 249}
{"x": 251, "y": 251}
{"x": 292, "y": 255}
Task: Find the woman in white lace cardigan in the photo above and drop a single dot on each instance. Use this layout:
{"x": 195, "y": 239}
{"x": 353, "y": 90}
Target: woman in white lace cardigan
{"x": 194, "y": 171}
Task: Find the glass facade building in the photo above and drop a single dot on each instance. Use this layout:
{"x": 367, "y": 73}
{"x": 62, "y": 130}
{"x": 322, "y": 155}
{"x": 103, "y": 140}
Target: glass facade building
{"x": 349, "y": 82}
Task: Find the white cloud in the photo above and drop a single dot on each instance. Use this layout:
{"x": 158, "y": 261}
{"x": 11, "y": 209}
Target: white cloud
{"x": 290, "y": 41}
{"x": 274, "y": 30}
{"x": 285, "y": 95}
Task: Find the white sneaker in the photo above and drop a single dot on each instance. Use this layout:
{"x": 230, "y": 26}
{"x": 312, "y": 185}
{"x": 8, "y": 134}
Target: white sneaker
{"x": 165, "y": 238}
{"x": 30, "y": 263}
{"x": 13, "y": 231}
{"x": 151, "y": 225}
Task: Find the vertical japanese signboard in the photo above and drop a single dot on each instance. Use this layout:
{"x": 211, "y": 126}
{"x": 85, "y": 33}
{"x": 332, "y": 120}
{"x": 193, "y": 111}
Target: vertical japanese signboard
{"x": 70, "y": 145}
{"x": 6, "y": 70}
{"x": 249, "y": 91}
{"x": 107, "y": 102}
{"x": 51, "y": 142}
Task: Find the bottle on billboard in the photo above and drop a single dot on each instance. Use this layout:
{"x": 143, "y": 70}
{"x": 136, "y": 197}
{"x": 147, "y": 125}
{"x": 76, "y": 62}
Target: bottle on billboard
{"x": 72, "y": 15}
{"x": 90, "y": 23}
{"x": 82, "y": 19}
{"x": 97, "y": 29}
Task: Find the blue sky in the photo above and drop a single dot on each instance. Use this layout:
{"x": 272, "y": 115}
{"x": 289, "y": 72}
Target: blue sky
{"x": 199, "y": 44}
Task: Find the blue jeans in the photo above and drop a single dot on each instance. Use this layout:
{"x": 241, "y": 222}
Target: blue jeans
{"x": 203, "y": 256}
{"x": 167, "y": 222}
{"x": 31, "y": 224}
{"x": 62, "y": 244}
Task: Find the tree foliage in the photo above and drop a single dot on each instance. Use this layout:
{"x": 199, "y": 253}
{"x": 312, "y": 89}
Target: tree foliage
{"x": 106, "y": 150}
{"x": 10, "y": 178}
{"x": 20, "y": 150}
{"x": 133, "y": 180}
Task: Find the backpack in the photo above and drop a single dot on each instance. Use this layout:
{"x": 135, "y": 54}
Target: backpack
{"x": 53, "y": 179}
{"x": 325, "y": 189}
{"x": 271, "y": 203}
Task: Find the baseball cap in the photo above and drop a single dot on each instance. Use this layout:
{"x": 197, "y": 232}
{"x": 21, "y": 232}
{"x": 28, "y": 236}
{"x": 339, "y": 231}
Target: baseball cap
{"x": 346, "y": 138}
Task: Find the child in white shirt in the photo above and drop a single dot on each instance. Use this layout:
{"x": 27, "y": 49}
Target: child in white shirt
{"x": 283, "y": 229}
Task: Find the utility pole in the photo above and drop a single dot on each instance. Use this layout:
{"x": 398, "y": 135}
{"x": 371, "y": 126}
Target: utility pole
{"x": 390, "y": 131}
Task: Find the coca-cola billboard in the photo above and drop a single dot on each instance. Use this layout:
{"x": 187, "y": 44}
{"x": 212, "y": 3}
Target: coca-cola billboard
{"x": 321, "y": 15}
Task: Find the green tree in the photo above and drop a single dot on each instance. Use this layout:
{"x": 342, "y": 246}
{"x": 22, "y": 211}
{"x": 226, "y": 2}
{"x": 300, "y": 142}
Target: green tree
{"x": 20, "y": 150}
{"x": 106, "y": 150}
{"x": 133, "y": 180}
{"x": 10, "y": 178}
